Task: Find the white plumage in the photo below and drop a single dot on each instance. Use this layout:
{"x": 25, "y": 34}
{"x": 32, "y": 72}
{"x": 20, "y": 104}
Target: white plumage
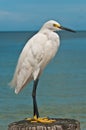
{"x": 36, "y": 54}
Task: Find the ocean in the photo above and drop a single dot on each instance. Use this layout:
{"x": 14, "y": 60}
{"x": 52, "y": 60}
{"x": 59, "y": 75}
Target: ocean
{"x": 61, "y": 91}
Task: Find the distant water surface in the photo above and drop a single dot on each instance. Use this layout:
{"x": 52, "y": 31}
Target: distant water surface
{"x": 62, "y": 88}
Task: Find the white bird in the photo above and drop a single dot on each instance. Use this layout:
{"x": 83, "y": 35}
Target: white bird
{"x": 36, "y": 54}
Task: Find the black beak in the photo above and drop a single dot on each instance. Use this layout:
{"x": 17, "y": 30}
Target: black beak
{"x": 67, "y": 29}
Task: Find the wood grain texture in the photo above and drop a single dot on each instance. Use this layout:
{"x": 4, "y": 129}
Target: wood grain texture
{"x": 59, "y": 124}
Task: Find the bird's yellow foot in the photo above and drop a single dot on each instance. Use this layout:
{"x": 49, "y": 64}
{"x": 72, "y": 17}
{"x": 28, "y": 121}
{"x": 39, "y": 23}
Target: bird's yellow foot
{"x": 40, "y": 120}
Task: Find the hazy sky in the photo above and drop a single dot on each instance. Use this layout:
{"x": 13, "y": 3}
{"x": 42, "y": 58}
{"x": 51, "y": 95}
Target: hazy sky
{"x": 31, "y": 14}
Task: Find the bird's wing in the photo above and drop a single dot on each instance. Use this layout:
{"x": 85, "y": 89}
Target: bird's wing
{"x": 28, "y": 63}
{"x": 37, "y": 47}
{"x": 22, "y": 76}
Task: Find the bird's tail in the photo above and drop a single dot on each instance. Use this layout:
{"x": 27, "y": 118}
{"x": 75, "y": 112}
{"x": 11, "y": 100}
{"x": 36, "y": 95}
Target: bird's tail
{"x": 21, "y": 78}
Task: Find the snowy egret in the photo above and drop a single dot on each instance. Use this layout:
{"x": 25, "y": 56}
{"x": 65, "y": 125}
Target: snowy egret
{"x": 37, "y": 53}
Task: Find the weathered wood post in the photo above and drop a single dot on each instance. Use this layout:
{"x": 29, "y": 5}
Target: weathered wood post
{"x": 59, "y": 124}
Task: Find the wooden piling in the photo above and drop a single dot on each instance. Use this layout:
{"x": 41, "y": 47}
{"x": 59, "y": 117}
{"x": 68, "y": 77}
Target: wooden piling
{"x": 59, "y": 124}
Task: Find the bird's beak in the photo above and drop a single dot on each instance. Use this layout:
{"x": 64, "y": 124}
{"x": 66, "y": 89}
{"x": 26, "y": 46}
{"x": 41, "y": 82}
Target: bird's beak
{"x": 67, "y": 29}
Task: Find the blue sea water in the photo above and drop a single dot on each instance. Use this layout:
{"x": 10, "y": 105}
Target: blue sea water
{"x": 62, "y": 88}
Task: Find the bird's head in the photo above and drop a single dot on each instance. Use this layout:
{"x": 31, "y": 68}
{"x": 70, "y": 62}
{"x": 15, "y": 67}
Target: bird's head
{"x": 55, "y": 26}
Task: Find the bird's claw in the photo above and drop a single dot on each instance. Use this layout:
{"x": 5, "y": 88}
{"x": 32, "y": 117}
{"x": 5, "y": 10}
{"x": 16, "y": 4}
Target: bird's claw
{"x": 40, "y": 120}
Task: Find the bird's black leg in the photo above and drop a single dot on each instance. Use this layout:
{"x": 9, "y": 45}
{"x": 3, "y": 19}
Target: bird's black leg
{"x": 35, "y": 108}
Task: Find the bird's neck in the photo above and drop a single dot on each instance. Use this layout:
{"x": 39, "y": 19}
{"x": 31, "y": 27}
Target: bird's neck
{"x": 45, "y": 30}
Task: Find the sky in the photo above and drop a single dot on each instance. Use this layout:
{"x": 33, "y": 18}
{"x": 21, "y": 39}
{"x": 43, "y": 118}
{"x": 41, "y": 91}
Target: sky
{"x": 29, "y": 15}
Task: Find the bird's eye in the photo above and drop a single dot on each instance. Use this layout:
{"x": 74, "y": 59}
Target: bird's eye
{"x": 55, "y": 25}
